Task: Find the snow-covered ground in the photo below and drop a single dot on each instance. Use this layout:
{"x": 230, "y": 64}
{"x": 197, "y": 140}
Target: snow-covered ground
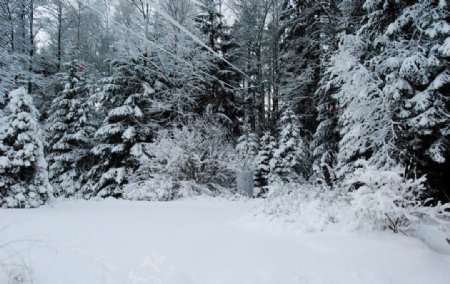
{"x": 197, "y": 241}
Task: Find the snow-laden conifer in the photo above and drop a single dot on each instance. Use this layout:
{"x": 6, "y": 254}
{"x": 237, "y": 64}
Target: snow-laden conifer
{"x": 266, "y": 152}
{"x": 24, "y": 177}
{"x": 70, "y": 132}
{"x": 125, "y": 96}
{"x": 290, "y": 162}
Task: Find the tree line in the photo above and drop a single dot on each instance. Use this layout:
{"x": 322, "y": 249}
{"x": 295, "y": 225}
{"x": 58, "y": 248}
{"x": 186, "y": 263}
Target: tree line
{"x": 157, "y": 99}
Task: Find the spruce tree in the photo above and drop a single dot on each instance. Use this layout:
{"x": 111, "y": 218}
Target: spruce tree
{"x": 405, "y": 57}
{"x": 23, "y": 169}
{"x": 308, "y": 36}
{"x": 268, "y": 146}
{"x": 365, "y": 114}
{"x": 324, "y": 144}
{"x": 70, "y": 132}
{"x": 418, "y": 48}
{"x": 290, "y": 162}
{"x": 220, "y": 99}
{"x": 126, "y": 96}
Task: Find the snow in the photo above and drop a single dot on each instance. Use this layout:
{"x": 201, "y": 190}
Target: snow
{"x": 198, "y": 241}
{"x": 129, "y": 133}
{"x": 445, "y": 48}
{"x": 121, "y": 111}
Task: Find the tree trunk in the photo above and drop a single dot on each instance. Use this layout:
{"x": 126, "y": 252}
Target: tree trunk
{"x": 59, "y": 51}
{"x": 23, "y": 27}
{"x": 259, "y": 100}
{"x": 276, "y": 66}
{"x": 31, "y": 47}
{"x": 79, "y": 29}
{"x": 11, "y": 23}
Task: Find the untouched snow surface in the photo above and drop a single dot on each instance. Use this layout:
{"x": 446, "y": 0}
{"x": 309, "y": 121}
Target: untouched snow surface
{"x": 197, "y": 241}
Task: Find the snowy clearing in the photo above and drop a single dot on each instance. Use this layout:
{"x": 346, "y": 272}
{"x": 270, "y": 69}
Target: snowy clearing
{"x": 197, "y": 241}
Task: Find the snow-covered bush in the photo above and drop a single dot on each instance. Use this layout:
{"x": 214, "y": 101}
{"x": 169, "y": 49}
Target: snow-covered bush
{"x": 191, "y": 159}
{"x": 304, "y": 207}
{"x": 384, "y": 199}
{"x": 23, "y": 169}
{"x": 370, "y": 199}
{"x": 155, "y": 187}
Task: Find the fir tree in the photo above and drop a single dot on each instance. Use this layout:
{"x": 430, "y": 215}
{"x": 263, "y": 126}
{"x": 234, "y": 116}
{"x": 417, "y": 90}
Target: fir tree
{"x": 268, "y": 146}
{"x": 324, "y": 145}
{"x": 220, "y": 100}
{"x": 290, "y": 162}
{"x": 404, "y": 57}
{"x": 365, "y": 114}
{"x": 70, "y": 132}
{"x": 24, "y": 177}
{"x": 308, "y": 36}
{"x": 419, "y": 78}
{"x": 126, "y": 94}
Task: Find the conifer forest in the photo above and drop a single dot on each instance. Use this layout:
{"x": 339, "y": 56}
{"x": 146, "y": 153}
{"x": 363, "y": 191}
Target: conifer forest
{"x": 270, "y": 127}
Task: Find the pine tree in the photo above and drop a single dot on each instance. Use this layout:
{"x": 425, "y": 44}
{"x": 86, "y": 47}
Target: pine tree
{"x": 290, "y": 162}
{"x": 70, "y": 132}
{"x": 268, "y": 146}
{"x": 24, "y": 177}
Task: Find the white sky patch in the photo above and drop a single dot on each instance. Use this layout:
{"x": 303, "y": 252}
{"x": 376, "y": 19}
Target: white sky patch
{"x": 42, "y": 40}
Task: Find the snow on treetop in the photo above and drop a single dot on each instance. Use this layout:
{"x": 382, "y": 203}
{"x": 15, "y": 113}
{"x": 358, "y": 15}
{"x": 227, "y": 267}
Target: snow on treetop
{"x": 19, "y": 100}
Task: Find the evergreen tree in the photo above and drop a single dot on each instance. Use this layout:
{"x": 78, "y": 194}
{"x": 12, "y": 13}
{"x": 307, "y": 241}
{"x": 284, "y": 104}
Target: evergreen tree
{"x": 417, "y": 75}
{"x": 324, "y": 145}
{"x": 126, "y": 95}
{"x": 24, "y": 177}
{"x": 249, "y": 30}
{"x": 70, "y": 132}
{"x": 268, "y": 146}
{"x": 220, "y": 99}
{"x": 290, "y": 162}
{"x": 309, "y": 32}
{"x": 209, "y": 20}
{"x": 402, "y": 56}
{"x": 365, "y": 114}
